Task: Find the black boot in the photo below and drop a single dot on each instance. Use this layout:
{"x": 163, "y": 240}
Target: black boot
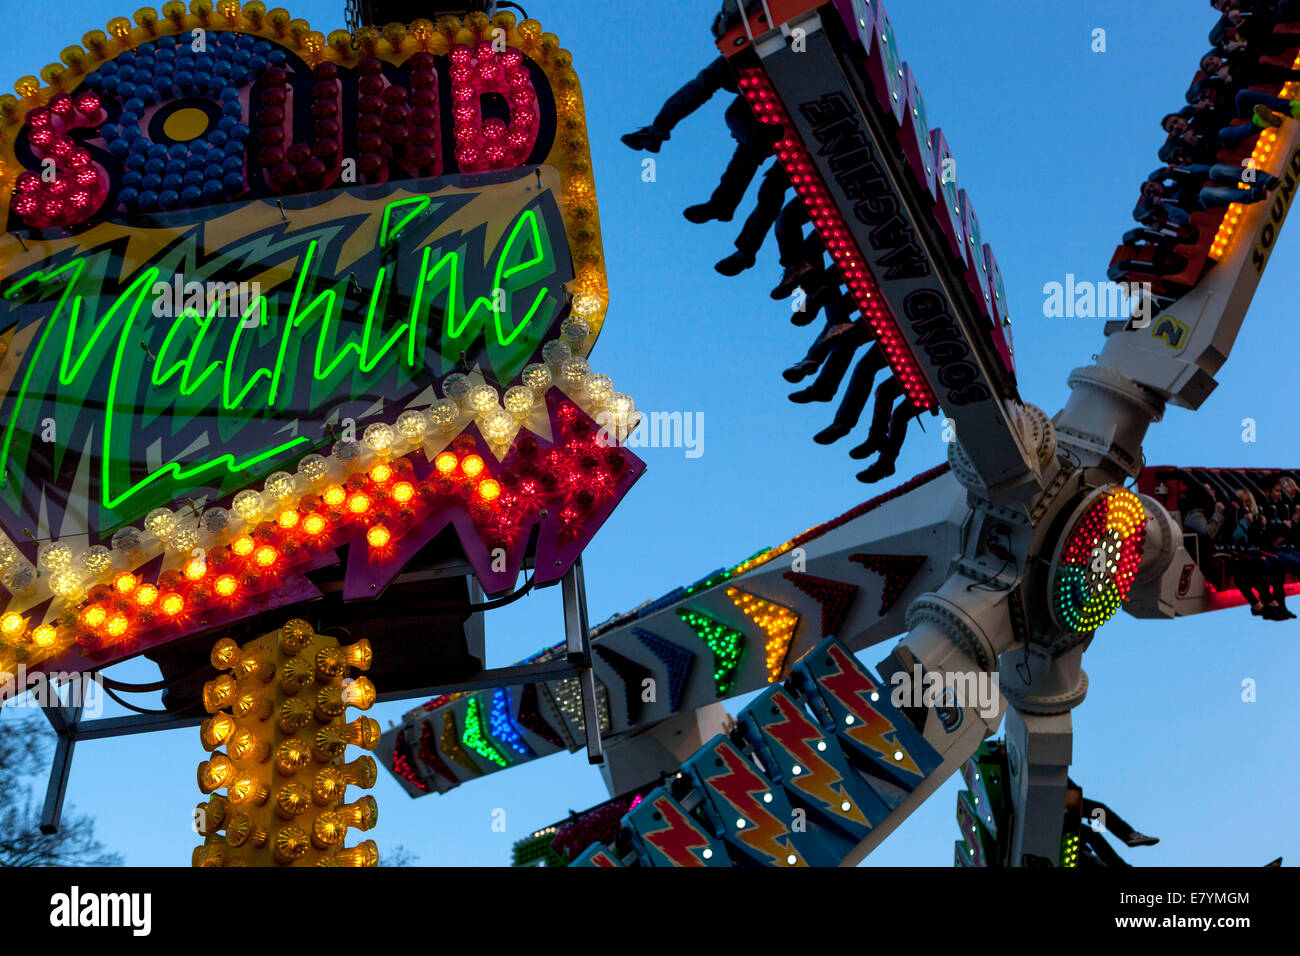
{"x": 867, "y": 448}
{"x": 810, "y": 394}
{"x": 800, "y": 370}
{"x": 736, "y": 263}
{"x": 791, "y": 278}
{"x": 832, "y": 433}
{"x": 705, "y": 211}
{"x": 881, "y": 469}
{"x": 649, "y": 138}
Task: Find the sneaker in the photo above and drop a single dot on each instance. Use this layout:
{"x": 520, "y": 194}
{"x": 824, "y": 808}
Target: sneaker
{"x": 832, "y": 433}
{"x": 1266, "y": 117}
{"x": 881, "y": 469}
{"x": 736, "y": 263}
{"x": 1274, "y": 613}
{"x": 649, "y": 138}
{"x": 1141, "y": 839}
{"x": 790, "y": 279}
{"x": 703, "y": 212}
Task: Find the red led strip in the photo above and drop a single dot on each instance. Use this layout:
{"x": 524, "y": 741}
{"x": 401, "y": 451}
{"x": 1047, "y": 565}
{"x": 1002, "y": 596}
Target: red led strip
{"x": 839, "y": 241}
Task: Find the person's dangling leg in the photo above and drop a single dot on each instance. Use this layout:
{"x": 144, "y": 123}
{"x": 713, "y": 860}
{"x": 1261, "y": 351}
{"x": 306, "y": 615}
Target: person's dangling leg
{"x": 855, "y": 397}
{"x": 694, "y": 93}
{"x": 892, "y": 444}
{"x": 884, "y": 404}
{"x": 828, "y": 380}
{"x": 796, "y": 261}
{"x": 1116, "y": 824}
{"x": 771, "y": 198}
{"x": 754, "y": 145}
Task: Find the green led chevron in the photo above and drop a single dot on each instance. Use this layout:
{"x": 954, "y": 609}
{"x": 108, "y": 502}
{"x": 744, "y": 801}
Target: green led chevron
{"x": 475, "y": 739}
{"x": 726, "y": 643}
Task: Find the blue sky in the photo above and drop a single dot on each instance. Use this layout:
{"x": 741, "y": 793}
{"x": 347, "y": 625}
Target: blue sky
{"x": 1052, "y": 141}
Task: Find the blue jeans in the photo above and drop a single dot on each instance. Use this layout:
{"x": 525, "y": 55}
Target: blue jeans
{"x": 1246, "y": 100}
{"x": 695, "y": 93}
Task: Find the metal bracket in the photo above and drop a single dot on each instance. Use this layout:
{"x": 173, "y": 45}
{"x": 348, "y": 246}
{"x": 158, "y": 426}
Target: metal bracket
{"x": 578, "y": 644}
{"x": 64, "y": 721}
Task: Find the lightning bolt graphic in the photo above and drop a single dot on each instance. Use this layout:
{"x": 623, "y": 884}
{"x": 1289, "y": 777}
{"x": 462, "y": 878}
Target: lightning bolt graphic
{"x": 679, "y": 838}
{"x": 739, "y": 786}
{"x": 796, "y": 733}
{"x": 850, "y": 687}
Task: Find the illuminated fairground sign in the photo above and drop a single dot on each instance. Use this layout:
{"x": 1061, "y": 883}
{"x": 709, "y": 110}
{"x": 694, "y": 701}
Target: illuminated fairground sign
{"x": 267, "y": 294}
{"x": 881, "y": 188}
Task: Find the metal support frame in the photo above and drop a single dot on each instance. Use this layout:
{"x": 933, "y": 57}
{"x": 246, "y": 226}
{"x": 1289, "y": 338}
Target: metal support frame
{"x": 64, "y": 720}
{"x": 577, "y": 637}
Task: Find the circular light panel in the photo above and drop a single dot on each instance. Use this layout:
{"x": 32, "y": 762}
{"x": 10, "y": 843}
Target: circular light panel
{"x": 1098, "y": 559}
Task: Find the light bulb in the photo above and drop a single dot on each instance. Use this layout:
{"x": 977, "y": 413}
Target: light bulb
{"x": 245, "y": 745}
{"x": 361, "y": 815}
{"x": 328, "y": 829}
{"x": 291, "y": 843}
{"x": 216, "y": 520}
{"x": 497, "y": 425}
{"x": 55, "y": 557}
{"x": 457, "y": 387}
{"x": 365, "y": 853}
{"x": 556, "y": 353}
{"x": 537, "y": 378}
{"x": 362, "y": 772}
{"x": 333, "y": 661}
{"x": 295, "y": 714}
{"x": 247, "y": 791}
{"x": 359, "y": 693}
{"x": 279, "y": 485}
{"x": 379, "y": 436}
{"x": 247, "y": 505}
{"x": 575, "y": 330}
{"x": 519, "y": 400}
{"x": 215, "y": 731}
{"x": 412, "y": 425}
{"x": 216, "y": 772}
{"x": 443, "y": 414}
{"x": 291, "y": 756}
{"x": 296, "y": 635}
{"x": 328, "y": 786}
{"x": 313, "y": 468}
{"x": 292, "y": 800}
{"x": 159, "y": 523}
{"x": 295, "y": 674}
{"x": 599, "y": 389}
{"x": 241, "y": 830}
{"x": 216, "y": 693}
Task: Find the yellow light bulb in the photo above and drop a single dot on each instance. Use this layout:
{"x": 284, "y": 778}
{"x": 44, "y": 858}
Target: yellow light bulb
{"x": 295, "y": 714}
{"x": 218, "y": 693}
{"x": 291, "y": 843}
{"x": 246, "y": 790}
{"x": 328, "y": 829}
{"x": 291, "y": 756}
{"x": 215, "y": 731}
{"x": 245, "y": 745}
{"x": 295, "y": 674}
{"x": 44, "y": 636}
{"x": 361, "y": 815}
{"x": 295, "y": 636}
{"x": 365, "y": 853}
{"x": 215, "y": 773}
{"x": 292, "y": 800}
